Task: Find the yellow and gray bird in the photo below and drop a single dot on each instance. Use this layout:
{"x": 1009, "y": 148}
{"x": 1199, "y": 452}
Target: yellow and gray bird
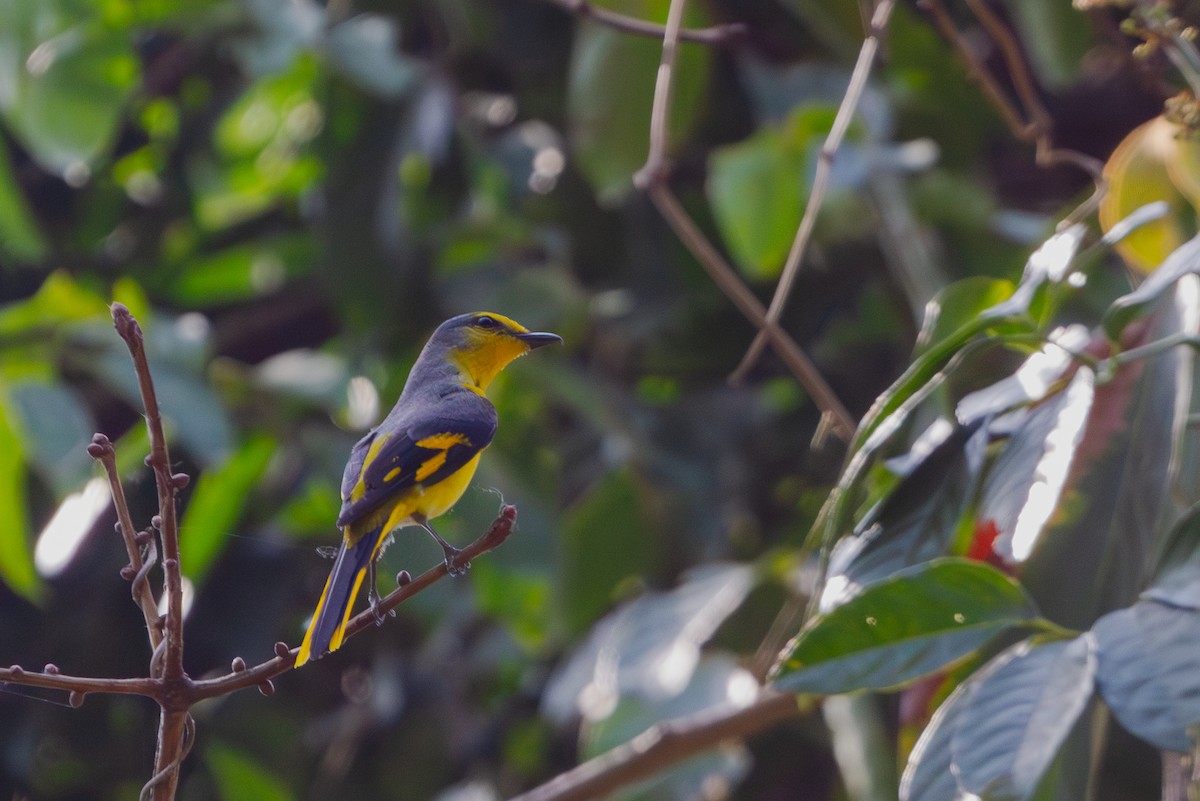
{"x": 417, "y": 463}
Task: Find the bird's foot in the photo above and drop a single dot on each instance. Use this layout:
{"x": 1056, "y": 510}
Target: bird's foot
{"x": 374, "y": 599}
{"x": 453, "y": 566}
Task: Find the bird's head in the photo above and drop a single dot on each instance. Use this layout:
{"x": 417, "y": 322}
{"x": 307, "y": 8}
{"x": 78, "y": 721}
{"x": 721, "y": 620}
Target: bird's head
{"x": 481, "y": 344}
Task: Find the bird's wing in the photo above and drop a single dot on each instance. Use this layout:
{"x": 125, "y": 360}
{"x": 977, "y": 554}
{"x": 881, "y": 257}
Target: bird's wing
{"x": 428, "y": 449}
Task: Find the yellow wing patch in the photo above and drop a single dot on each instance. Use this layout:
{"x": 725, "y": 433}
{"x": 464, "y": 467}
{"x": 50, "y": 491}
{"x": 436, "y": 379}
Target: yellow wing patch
{"x": 360, "y": 487}
{"x": 441, "y": 443}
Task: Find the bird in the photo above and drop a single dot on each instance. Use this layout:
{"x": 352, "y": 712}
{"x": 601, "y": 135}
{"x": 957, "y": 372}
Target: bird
{"x": 418, "y": 461}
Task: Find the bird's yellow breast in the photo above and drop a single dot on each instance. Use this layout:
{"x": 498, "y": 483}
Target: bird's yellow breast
{"x": 431, "y": 501}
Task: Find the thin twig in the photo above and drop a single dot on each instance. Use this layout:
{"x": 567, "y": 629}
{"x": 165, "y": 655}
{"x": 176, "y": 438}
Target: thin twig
{"x": 716, "y": 35}
{"x": 53, "y": 680}
{"x": 1033, "y": 123}
{"x": 168, "y": 485}
{"x": 101, "y": 449}
{"x": 652, "y": 178}
{"x": 656, "y": 157}
{"x": 667, "y": 744}
{"x": 824, "y": 171}
{"x": 285, "y": 658}
{"x": 790, "y": 353}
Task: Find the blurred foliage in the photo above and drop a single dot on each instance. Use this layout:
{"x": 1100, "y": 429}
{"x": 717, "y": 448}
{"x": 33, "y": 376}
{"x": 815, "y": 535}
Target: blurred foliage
{"x": 290, "y": 195}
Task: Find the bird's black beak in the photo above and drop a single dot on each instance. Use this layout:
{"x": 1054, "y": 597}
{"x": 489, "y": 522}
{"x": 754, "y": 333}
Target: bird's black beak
{"x": 535, "y": 339}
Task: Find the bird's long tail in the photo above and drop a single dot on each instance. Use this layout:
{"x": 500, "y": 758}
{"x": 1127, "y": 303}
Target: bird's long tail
{"x": 337, "y": 599}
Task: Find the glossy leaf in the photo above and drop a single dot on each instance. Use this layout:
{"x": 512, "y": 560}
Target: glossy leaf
{"x": 929, "y": 774}
{"x": 918, "y": 519}
{"x": 1183, "y": 260}
{"x": 16, "y": 550}
{"x": 1018, "y": 712}
{"x": 1149, "y": 672}
{"x": 611, "y": 89}
{"x": 649, "y": 647}
{"x": 1026, "y": 482}
{"x": 1120, "y": 501}
{"x": 1177, "y": 582}
{"x": 68, "y": 82}
{"x": 218, "y": 503}
{"x": 958, "y": 305}
{"x": 899, "y": 629}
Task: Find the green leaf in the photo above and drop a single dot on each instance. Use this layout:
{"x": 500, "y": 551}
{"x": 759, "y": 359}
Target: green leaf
{"x": 610, "y": 92}
{"x": 605, "y": 541}
{"x": 521, "y": 600}
{"x": 55, "y": 429}
{"x": 19, "y": 234}
{"x": 60, "y": 299}
{"x": 957, "y": 305}
{"x": 1018, "y": 713}
{"x": 1149, "y": 671}
{"x": 1183, "y": 260}
{"x": 241, "y": 271}
{"x": 218, "y": 503}
{"x": 1053, "y": 38}
{"x": 240, "y": 778}
{"x": 902, "y": 628}
{"x": 918, "y": 519}
{"x": 16, "y": 553}
{"x": 757, "y": 188}
{"x": 68, "y": 80}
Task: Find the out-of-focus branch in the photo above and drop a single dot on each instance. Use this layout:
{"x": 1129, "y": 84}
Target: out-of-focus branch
{"x": 824, "y": 171}
{"x": 652, "y": 178}
{"x": 667, "y": 744}
{"x": 1029, "y": 121}
{"x": 716, "y": 35}
{"x": 260, "y": 675}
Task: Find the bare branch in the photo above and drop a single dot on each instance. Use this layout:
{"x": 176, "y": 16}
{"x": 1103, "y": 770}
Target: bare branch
{"x": 652, "y": 178}
{"x": 792, "y": 355}
{"x": 101, "y": 449}
{"x": 168, "y": 485}
{"x": 176, "y": 734}
{"x": 51, "y": 679}
{"x": 666, "y": 744}
{"x": 1035, "y": 123}
{"x": 816, "y": 197}
{"x": 285, "y": 658}
{"x": 716, "y": 35}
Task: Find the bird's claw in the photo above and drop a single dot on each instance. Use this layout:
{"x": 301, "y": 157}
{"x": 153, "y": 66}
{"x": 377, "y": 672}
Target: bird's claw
{"x": 376, "y": 607}
{"x": 453, "y": 566}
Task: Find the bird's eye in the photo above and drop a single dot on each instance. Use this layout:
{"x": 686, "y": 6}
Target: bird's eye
{"x": 486, "y": 322}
